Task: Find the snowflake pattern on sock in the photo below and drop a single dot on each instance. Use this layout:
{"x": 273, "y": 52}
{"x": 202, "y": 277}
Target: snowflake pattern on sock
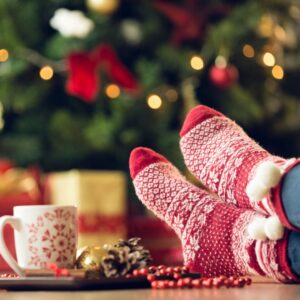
{"x": 223, "y": 157}
{"x": 213, "y": 234}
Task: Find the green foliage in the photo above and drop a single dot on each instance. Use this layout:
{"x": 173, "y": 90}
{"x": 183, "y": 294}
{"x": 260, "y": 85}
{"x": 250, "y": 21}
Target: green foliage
{"x": 45, "y": 125}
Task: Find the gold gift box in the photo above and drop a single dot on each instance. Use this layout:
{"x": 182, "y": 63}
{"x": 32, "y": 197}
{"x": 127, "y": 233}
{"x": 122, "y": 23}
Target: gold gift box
{"x": 100, "y": 197}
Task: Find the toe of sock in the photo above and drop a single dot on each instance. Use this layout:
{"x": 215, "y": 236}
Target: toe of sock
{"x": 142, "y": 157}
{"x": 197, "y": 115}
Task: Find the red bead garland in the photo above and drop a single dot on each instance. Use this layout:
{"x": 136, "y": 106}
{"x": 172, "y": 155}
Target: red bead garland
{"x": 58, "y": 272}
{"x": 8, "y": 275}
{"x": 162, "y": 277}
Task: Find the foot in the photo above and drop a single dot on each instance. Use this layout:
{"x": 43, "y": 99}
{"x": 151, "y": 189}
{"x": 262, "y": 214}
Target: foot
{"x": 216, "y": 237}
{"x": 220, "y": 154}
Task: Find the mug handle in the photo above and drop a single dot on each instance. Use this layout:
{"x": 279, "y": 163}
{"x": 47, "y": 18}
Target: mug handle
{"x": 16, "y": 224}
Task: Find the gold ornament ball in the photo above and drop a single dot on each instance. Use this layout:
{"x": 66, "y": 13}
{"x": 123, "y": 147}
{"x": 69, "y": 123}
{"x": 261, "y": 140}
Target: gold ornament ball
{"x": 90, "y": 258}
{"x": 103, "y": 6}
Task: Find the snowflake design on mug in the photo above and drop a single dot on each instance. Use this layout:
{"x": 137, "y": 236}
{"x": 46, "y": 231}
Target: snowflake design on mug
{"x": 52, "y": 238}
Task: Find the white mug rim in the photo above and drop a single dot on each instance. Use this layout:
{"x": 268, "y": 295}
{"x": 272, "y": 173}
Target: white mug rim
{"x": 46, "y": 206}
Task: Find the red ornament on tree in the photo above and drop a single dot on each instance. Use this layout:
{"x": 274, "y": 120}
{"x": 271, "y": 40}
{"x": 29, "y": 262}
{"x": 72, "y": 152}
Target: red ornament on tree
{"x": 223, "y": 77}
{"x": 84, "y": 78}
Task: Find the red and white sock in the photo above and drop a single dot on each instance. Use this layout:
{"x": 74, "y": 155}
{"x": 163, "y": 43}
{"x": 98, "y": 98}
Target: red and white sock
{"x": 215, "y": 235}
{"x": 220, "y": 154}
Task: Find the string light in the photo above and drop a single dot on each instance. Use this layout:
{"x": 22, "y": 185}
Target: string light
{"x": 46, "y": 73}
{"x": 197, "y": 63}
{"x": 171, "y": 95}
{"x": 4, "y": 55}
{"x": 248, "y": 51}
{"x": 277, "y": 72}
{"x": 269, "y": 59}
{"x": 220, "y": 61}
{"x": 154, "y": 101}
{"x": 112, "y": 91}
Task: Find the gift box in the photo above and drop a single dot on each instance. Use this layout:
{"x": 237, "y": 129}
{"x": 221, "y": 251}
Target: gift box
{"x": 100, "y": 197}
{"x": 17, "y": 187}
{"x": 158, "y": 238}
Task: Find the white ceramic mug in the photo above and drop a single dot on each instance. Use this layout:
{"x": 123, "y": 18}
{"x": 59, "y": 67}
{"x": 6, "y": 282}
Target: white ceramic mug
{"x": 43, "y": 234}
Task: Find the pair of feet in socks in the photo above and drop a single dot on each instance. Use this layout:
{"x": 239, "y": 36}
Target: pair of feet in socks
{"x": 250, "y": 224}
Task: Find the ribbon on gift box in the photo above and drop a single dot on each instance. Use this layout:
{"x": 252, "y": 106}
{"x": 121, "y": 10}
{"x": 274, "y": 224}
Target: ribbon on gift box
{"x": 89, "y": 223}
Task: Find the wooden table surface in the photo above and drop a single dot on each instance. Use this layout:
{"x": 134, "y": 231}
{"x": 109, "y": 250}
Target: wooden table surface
{"x": 257, "y": 291}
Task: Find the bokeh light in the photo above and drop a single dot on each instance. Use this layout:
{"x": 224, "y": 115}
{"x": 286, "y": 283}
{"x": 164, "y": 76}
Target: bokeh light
{"x": 269, "y": 59}
{"x": 248, "y": 51}
{"x": 112, "y": 91}
{"x": 4, "y": 55}
{"x": 277, "y": 72}
{"x": 154, "y": 101}
{"x": 197, "y": 63}
{"x": 46, "y": 73}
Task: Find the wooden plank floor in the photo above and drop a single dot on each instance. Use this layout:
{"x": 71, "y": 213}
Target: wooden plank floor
{"x": 254, "y": 292}
{"x": 257, "y": 291}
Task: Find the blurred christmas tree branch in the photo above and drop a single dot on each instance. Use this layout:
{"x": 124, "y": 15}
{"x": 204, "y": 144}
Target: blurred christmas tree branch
{"x": 39, "y": 60}
{"x": 137, "y": 68}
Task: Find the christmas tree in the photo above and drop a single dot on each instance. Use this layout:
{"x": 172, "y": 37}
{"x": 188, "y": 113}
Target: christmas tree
{"x": 84, "y": 82}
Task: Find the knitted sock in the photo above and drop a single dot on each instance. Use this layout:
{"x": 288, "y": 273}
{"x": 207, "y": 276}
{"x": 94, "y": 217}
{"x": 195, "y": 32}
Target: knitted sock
{"x": 220, "y": 154}
{"x": 214, "y": 235}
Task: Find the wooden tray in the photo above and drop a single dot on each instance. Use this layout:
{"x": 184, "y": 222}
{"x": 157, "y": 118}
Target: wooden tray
{"x": 71, "y": 283}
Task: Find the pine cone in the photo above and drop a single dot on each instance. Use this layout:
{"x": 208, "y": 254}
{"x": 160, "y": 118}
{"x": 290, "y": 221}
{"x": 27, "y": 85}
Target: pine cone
{"x": 124, "y": 257}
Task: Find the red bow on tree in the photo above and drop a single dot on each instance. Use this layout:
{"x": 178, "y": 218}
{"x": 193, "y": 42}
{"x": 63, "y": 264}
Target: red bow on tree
{"x": 191, "y": 19}
{"x": 84, "y": 80}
